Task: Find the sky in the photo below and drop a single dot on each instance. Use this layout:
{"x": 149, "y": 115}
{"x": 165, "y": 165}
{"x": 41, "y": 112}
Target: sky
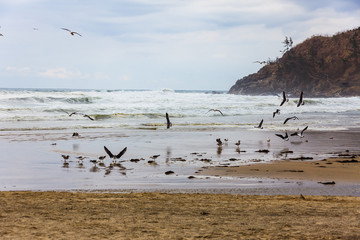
{"x": 155, "y": 44}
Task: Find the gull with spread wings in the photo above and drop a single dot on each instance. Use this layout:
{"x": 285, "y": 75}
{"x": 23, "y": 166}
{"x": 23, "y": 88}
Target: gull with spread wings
{"x": 215, "y": 110}
{"x": 115, "y": 156}
{"x": 71, "y": 32}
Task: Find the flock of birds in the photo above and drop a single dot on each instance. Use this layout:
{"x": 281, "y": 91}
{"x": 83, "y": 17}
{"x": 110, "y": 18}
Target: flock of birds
{"x": 115, "y": 157}
{"x": 277, "y": 111}
{"x": 65, "y": 29}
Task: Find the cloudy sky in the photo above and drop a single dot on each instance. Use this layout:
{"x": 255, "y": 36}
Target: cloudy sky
{"x": 154, "y": 44}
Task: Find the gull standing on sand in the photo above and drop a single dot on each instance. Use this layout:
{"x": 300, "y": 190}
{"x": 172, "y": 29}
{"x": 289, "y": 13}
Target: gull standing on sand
{"x": 71, "y": 32}
{"x": 260, "y": 124}
{"x": 215, "y": 110}
{"x": 300, "y": 134}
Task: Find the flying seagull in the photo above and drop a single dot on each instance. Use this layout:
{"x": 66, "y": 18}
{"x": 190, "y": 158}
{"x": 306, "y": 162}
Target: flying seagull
{"x": 260, "y": 62}
{"x": 168, "y": 123}
{"x": 301, "y": 102}
{"x": 71, "y": 32}
{"x": 260, "y": 124}
{"x": 216, "y": 110}
{"x": 284, "y": 99}
{"x": 294, "y": 118}
{"x": 73, "y": 113}
{"x": 276, "y": 112}
{"x": 300, "y": 134}
{"x": 115, "y": 156}
{"x": 285, "y": 137}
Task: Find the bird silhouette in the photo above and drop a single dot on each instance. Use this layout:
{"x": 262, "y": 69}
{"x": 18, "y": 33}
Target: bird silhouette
{"x": 215, "y": 110}
{"x": 284, "y": 137}
{"x": 294, "y": 118}
{"x": 301, "y": 102}
{"x": 260, "y": 124}
{"x": 168, "y": 123}
{"x": 300, "y": 134}
{"x": 71, "y": 32}
{"x": 115, "y": 156}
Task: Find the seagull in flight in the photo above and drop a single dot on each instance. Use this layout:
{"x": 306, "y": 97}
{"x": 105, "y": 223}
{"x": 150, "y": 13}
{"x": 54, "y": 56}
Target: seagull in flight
{"x": 73, "y": 113}
{"x": 71, "y": 32}
{"x": 260, "y": 124}
{"x": 301, "y": 102}
{"x": 284, "y": 137}
{"x": 284, "y": 99}
{"x": 216, "y": 110}
{"x": 115, "y": 156}
{"x": 294, "y": 118}
{"x": 168, "y": 123}
{"x": 276, "y": 112}
{"x": 300, "y": 134}
{"x": 260, "y": 62}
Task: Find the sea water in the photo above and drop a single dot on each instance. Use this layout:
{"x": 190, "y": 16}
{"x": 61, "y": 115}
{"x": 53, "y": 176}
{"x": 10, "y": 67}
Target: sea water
{"x": 45, "y": 109}
{"x": 36, "y": 129}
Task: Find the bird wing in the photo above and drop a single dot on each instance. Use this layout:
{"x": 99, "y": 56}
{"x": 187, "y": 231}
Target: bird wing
{"x": 279, "y": 135}
{"x": 274, "y": 114}
{"x": 284, "y": 99}
{"x": 300, "y": 99}
{"x": 261, "y": 122}
{"x": 168, "y": 121}
{"x": 66, "y": 29}
{"x": 121, "y": 153}
{"x": 85, "y": 115}
{"x": 219, "y": 111}
{"x": 294, "y": 134}
{"x": 108, "y": 152}
{"x": 76, "y": 33}
{"x": 304, "y": 130}
{"x": 286, "y": 120}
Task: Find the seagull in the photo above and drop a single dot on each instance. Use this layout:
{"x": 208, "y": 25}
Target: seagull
{"x": 115, "y": 156}
{"x": 216, "y": 110}
{"x": 301, "y": 102}
{"x": 276, "y": 112}
{"x": 71, "y": 32}
{"x": 237, "y": 143}
{"x": 294, "y": 118}
{"x": 70, "y": 114}
{"x": 260, "y": 62}
{"x": 219, "y": 142}
{"x": 284, "y": 99}
{"x": 168, "y": 123}
{"x": 260, "y": 124}
{"x": 85, "y": 115}
{"x": 74, "y": 113}
{"x": 285, "y": 137}
{"x": 65, "y": 157}
{"x": 300, "y": 134}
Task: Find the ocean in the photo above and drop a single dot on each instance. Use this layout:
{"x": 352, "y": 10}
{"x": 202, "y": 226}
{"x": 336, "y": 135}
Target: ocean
{"x": 36, "y": 129}
{"x": 44, "y": 109}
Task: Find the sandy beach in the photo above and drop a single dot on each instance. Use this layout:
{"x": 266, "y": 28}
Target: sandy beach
{"x": 310, "y": 191}
{"x": 66, "y": 215}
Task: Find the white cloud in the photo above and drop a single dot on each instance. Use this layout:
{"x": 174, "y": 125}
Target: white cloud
{"x": 63, "y": 73}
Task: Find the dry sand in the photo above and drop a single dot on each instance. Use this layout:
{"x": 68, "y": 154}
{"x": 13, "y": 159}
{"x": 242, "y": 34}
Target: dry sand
{"x": 68, "y": 215}
{"x": 65, "y": 215}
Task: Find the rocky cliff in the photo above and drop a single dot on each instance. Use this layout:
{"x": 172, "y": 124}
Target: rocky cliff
{"x": 321, "y": 66}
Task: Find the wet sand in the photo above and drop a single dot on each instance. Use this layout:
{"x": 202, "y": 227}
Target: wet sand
{"x": 344, "y": 169}
{"x": 66, "y": 215}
